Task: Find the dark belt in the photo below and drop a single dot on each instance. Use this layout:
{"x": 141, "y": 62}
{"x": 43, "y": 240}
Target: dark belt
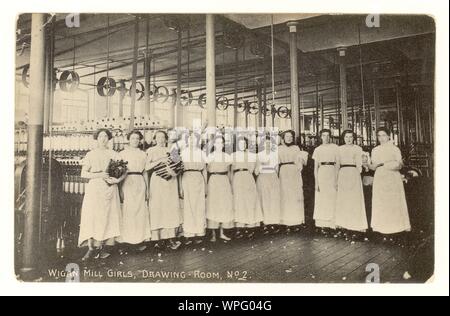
{"x": 240, "y": 170}
{"x": 216, "y": 174}
{"x": 286, "y": 163}
{"x": 348, "y": 166}
{"x": 135, "y": 174}
{"x": 327, "y": 163}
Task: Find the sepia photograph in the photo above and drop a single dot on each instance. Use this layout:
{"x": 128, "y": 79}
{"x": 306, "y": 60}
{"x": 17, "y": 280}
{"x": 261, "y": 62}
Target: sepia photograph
{"x": 280, "y": 148}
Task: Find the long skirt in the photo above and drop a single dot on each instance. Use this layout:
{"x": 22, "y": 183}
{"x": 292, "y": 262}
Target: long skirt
{"x": 194, "y": 207}
{"x": 350, "y": 206}
{"x": 325, "y": 199}
{"x": 389, "y": 208}
{"x": 135, "y": 226}
{"x": 219, "y": 203}
{"x": 100, "y": 213}
{"x": 268, "y": 185}
{"x": 247, "y": 207}
{"x": 292, "y": 200}
{"x": 165, "y": 210}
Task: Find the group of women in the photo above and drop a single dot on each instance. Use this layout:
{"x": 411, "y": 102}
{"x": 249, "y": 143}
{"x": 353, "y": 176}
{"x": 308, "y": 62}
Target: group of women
{"x": 218, "y": 191}
{"x": 339, "y": 196}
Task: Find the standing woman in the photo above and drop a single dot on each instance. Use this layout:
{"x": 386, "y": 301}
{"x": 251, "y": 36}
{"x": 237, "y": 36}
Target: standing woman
{"x": 219, "y": 203}
{"x": 164, "y": 203}
{"x": 268, "y": 184}
{"x": 247, "y": 207}
{"x": 135, "y": 227}
{"x": 326, "y": 168}
{"x": 194, "y": 189}
{"x": 100, "y": 213}
{"x": 291, "y": 160}
{"x": 389, "y": 208}
{"x": 350, "y": 206}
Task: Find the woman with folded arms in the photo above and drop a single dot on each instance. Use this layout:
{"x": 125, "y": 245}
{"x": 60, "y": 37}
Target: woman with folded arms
{"x": 135, "y": 224}
{"x": 350, "y": 206}
{"x": 326, "y": 168}
{"x": 389, "y": 208}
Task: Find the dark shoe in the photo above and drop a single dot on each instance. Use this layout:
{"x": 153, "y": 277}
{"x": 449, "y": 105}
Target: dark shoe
{"x": 91, "y": 254}
{"x": 198, "y": 241}
{"x": 224, "y": 237}
{"x": 103, "y": 255}
{"x": 174, "y": 245}
{"x": 141, "y": 248}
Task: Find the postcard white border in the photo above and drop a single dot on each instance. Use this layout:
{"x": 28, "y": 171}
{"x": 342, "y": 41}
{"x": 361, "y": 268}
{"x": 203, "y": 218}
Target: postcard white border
{"x": 8, "y": 13}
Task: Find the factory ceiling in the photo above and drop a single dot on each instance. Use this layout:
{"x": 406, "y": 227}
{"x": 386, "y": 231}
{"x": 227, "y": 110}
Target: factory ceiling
{"x": 103, "y": 45}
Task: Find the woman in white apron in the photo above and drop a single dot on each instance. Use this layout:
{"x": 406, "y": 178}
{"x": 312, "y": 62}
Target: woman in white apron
{"x": 291, "y": 163}
{"x": 164, "y": 202}
{"x": 193, "y": 191}
{"x": 219, "y": 203}
{"x": 350, "y": 206}
{"x": 247, "y": 208}
{"x": 326, "y": 167}
{"x": 100, "y": 213}
{"x": 135, "y": 225}
{"x": 268, "y": 185}
{"x": 389, "y": 208}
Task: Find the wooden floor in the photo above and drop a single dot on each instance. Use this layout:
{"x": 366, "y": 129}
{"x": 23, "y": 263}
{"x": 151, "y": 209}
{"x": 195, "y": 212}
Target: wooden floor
{"x": 284, "y": 258}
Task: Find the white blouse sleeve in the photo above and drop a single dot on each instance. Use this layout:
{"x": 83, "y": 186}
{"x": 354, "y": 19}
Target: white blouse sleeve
{"x": 398, "y": 154}
{"x": 374, "y": 156}
{"x": 303, "y": 157}
{"x": 316, "y": 155}
{"x": 149, "y": 160}
{"x": 87, "y": 162}
{"x": 337, "y": 157}
{"x": 358, "y": 158}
